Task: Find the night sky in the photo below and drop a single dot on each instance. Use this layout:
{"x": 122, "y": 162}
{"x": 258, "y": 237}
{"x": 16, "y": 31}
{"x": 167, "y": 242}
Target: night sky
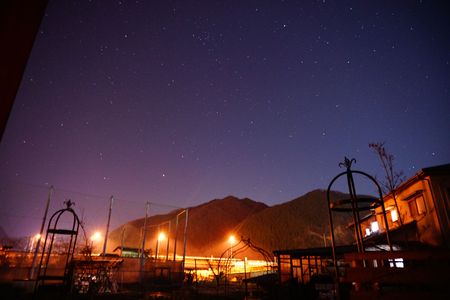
{"x": 181, "y": 102}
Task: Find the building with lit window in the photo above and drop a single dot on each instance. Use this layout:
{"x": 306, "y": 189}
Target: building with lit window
{"x": 419, "y": 230}
{"x": 421, "y": 212}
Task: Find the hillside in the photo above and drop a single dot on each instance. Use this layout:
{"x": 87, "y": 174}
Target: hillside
{"x": 300, "y": 223}
{"x": 209, "y": 226}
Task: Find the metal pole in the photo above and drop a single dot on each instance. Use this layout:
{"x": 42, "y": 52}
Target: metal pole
{"x": 122, "y": 240}
{"x": 176, "y": 237}
{"x": 355, "y": 218}
{"x": 231, "y": 247}
{"x": 168, "y": 239}
{"x": 245, "y": 275}
{"x": 38, "y": 243}
{"x": 333, "y": 243}
{"x": 157, "y": 242}
{"x": 143, "y": 241}
{"x": 111, "y": 200}
{"x": 360, "y": 235}
{"x": 185, "y": 230}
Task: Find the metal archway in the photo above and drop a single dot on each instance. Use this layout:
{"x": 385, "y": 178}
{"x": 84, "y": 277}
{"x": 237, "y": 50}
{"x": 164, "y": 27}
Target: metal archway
{"x": 355, "y": 204}
{"x": 60, "y": 278}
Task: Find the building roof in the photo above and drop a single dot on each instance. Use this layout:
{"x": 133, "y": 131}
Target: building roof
{"x": 126, "y": 249}
{"x": 324, "y": 251}
{"x": 437, "y": 170}
{"x": 440, "y": 170}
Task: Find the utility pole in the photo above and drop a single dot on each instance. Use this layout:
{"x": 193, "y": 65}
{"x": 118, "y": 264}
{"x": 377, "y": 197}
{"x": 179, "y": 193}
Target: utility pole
{"x": 38, "y": 243}
{"x": 111, "y": 200}
{"x": 176, "y": 237}
{"x": 147, "y": 205}
{"x": 185, "y": 231}
{"x": 122, "y": 239}
{"x": 157, "y": 243}
{"x": 168, "y": 239}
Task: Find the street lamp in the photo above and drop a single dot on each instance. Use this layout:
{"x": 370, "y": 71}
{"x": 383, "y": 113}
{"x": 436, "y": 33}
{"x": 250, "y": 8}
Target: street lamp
{"x": 161, "y": 237}
{"x": 231, "y": 240}
{"x": 34, "y": 241}
{"x": 96, "y": 237}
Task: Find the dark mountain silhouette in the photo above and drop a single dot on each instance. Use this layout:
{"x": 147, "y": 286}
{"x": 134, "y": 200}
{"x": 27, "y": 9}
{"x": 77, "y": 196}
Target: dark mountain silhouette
{"x": 300, "y": 223}
{"x": 209, "y": 226}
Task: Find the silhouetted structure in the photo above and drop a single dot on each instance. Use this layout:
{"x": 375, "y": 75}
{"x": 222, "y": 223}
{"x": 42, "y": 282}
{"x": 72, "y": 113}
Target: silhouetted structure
{"x": 52, "y": 275}
{"x": 355, "y": 204}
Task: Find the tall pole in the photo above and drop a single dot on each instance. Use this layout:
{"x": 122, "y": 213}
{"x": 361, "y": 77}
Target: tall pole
{"x": 245, "y": 275}
{"x": 231, "y": 247}
{"x": 176, "y": 237}
{"x": 184, "y": 237}
{"x": 111, "y": 200}
{"x": 168, "y": 239}
{"x": 157, "y": 243}
{"x": 143, "y": 241}
{"x": 122, "y": 240}
{"x": 38, "y": 243}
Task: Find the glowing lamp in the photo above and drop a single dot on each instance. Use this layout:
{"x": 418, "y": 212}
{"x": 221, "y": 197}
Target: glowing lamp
{"x": 161, "y": 236}
{"x": 232, "y": 239}
{"x": 97, "y": 236}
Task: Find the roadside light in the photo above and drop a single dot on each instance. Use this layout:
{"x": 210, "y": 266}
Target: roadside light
{"x": 232, "y": 241}
{"x": 161, "y": 236}
{"x": 97, "y": 236}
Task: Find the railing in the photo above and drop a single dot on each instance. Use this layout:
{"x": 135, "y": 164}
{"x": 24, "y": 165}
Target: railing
{"x": 406, "y": 268}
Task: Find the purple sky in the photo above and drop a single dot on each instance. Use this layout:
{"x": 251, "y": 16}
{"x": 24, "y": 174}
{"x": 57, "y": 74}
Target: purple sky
{"x": 180, "y": 102}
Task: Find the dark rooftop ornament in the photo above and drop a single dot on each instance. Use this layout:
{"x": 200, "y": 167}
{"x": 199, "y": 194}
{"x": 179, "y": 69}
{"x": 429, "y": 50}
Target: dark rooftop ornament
{"x": 347, "y": 163}
{"x": 69, "y": 203}
{"x": 355, "y": 204}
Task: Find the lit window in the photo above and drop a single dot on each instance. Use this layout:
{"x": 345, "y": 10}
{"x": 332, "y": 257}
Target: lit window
{"x": 367, "y": 231}
{"x": 420, "y": 205}
{"x": 417, "y": 206}
{"x": 394, "y": 215}
{"x": 374, "y": 226}
{"x": 396, "y": 263}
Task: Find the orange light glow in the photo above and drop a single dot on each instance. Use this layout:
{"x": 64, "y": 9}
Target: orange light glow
{"x": 232, "y": 239}
{"x": 97, "y": 236}
{"x": 161, "y": 236}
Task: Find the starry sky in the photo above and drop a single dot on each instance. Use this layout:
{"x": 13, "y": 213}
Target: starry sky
{"x": 181, "y": 102}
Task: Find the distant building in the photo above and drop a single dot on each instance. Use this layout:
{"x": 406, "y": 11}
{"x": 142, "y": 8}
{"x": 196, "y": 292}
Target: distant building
{"x": 423, "y": 210}
{"x": 128, "y": 252}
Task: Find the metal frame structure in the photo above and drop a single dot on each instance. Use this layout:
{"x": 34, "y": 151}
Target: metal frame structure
{"x": 52, "y": 232}
{"x": 355, "y": 204}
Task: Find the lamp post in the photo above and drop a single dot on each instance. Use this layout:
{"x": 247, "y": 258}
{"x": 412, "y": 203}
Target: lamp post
{"x": 34, "y": 242}
{"x": 161, "y": 237}
{"x": 231, "y": 240}
{"x": 96, "y": 237}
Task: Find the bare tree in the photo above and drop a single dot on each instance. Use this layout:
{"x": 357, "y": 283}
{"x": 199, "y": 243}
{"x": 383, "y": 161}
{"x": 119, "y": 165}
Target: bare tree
{"x": 216, "y": 272}
{"x": 393, "y": 179}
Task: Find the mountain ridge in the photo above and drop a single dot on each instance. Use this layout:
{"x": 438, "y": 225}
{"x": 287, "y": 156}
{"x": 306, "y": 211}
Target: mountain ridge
{"x": 299, "y": 223}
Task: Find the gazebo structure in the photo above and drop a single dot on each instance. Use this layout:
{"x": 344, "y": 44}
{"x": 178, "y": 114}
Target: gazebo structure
{"x": 354, "y": 204}
{"x": 55, "y": 269}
